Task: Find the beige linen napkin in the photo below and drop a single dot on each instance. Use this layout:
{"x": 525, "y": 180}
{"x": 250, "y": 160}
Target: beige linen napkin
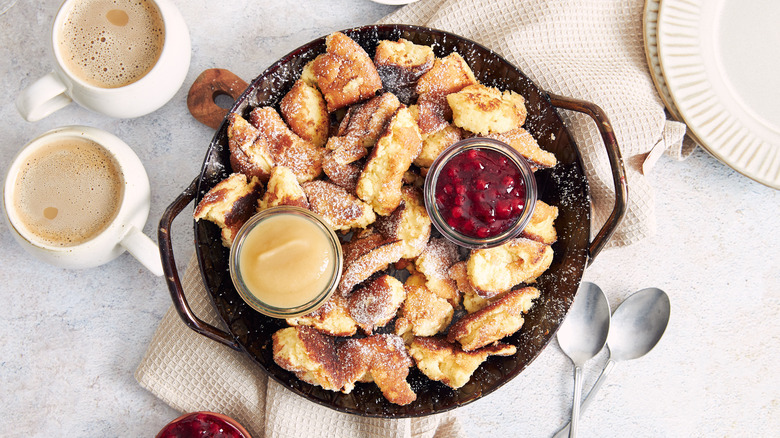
{"x": 193, "y": 373}
{"x": 588, "y": 49}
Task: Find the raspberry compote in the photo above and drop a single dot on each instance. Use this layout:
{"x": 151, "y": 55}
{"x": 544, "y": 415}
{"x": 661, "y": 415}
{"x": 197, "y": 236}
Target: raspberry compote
{"x": 203, "y": 425}
{"x": 480, "y": 193}
{"x": 483, "y": 192}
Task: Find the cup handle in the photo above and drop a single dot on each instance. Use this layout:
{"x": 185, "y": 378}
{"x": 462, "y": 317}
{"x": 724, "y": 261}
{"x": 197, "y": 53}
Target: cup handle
{"x": 43, "y": 97}
{"x": 144, "y": 250}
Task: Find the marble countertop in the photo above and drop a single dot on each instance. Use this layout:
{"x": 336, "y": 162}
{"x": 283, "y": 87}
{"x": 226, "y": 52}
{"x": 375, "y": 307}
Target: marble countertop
{"x": 70, "y": 340}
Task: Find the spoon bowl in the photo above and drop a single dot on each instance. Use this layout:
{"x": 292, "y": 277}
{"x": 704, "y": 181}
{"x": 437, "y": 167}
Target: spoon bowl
{"x": 637, "y": 326}
{"x": 582, "y": 335}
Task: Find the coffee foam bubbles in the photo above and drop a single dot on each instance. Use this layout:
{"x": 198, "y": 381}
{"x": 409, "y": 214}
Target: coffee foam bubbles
{"x": 68, "y": 192}
{"x": 111, "y": 43}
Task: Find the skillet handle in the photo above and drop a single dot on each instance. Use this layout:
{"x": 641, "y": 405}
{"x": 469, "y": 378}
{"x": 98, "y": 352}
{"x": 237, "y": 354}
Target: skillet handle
{"x": 172, "y": 275}
{"x": 615, "y": 162}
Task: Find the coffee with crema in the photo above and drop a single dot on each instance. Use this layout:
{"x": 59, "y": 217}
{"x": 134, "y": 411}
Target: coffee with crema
{"x": 111, "y": 43}
{"x": 68, "y": 191}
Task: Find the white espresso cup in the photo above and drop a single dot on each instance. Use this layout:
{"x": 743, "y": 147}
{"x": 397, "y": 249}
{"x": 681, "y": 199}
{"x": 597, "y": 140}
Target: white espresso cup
{"x": 78, "y": 197}
{"x": 123, "y": 59}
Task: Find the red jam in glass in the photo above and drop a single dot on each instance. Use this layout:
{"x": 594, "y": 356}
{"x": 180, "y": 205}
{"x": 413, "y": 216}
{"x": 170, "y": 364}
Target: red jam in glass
{"x": 201, "y": 425}
{"x": 480, "y": 193}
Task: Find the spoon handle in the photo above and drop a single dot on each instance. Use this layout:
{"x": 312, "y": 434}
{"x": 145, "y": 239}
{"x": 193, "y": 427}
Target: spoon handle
{"x": 575, "y": 406}
{"x": 589, "y": 398}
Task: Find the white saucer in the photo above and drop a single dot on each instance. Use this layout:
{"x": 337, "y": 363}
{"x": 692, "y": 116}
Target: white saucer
{"x": 650, "y": 33}
{"x": 720, "y": 61}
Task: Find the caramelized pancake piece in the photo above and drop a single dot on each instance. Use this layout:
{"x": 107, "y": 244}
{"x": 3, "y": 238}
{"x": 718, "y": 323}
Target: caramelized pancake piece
{"x": 285, "y": 147}
{"x": 471, "y": 299}
{"x": 434, "y": 144}
{"x": 381, "y": 359}
{"x": 416, "y": 279}
{"x": 303, "y": 108}
{"x": 400, "y": 64}
{"x": 448, "y": 363}
{"x": 365, "y": 255}
{"x": 423, "y": 313}
{"x": 448, "y": 75}
{"x": 365, "y": 122}
{"x": 409, "y": 223}
{"x": 283, "y": 189}
{"x": 337, "y": 207}
{"x": 360, "y": 128}
{"x": 311, "y": 355}
{"x": 496, "y": 321}
{"x": 332, "y": 318}
{"x": 434, "y": 262}
{"x": 526, "y": 145}
{"x": 249, "y": 153}
{"x": 432, "y": 113}
{"x": 230, "y": 203}
{"x": 345, "y": 73}
{"x": 486, "y": 110}
{"x": 307, "y": 74}
{"x": 376, "y": 304}
{"x": 494, "y": 270}
{"x": 340, "y": 171}
{"x": 541, "y": 227}
{"x": 382, "y": 177}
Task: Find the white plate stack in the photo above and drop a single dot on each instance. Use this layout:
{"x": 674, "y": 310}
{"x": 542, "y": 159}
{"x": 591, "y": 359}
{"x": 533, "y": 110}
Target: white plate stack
{"x": 716, "y": 65}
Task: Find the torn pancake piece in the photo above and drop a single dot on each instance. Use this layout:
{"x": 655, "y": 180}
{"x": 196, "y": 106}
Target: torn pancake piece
{"x": 310, "y": 355}
{"x": 382, "y": 178}
{"x": 283, "y": 189}
{"x": 448, "y": 363}
{"x": 249, "y": 153}
{"x": 500, "y": 268}
{"x": 285, "y": 147}
{"x": 332, "y": 318}
{"x": 495, "y": 321}
{"x": 423, "y": 313}
{"x": 381, "y": 359}
{"x": 345, "y": 73}
{"x": 485, "y": 110}
{"x": 338, "y": 208}
{"x": 365, "y": 255}
{"x": 375, "y": 304}
{"x": 229, "y": 204}
{"x": 304, "y": 110}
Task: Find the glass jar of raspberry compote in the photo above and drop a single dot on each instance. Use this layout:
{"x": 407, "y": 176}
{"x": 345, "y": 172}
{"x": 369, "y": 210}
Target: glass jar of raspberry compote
{"x": 480, "y": 192}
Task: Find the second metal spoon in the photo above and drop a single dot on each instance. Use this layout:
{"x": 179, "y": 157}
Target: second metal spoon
{"x": 637, "y": 326}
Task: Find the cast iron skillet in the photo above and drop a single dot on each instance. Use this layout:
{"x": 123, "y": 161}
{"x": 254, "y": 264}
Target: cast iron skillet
{"x": 564, "y": 185}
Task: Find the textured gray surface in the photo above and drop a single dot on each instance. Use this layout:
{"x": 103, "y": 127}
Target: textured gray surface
{"x": 71, "y": 340}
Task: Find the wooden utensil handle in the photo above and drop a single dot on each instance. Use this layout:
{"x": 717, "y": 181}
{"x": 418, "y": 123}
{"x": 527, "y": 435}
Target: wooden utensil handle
{"x": 208, "y": 86}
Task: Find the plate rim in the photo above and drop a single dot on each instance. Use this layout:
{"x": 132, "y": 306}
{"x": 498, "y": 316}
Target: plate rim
{"x": 740, "y": 138}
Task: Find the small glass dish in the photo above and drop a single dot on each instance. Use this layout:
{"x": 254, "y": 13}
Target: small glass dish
{"x": 203, "y": 424}
{"x": 490, "y": 151}
{"x": 330, "y": 263}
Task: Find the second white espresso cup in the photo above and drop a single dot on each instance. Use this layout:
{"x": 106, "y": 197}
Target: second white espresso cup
{"x": 105, "y": 32}
{"x": 78, "y": 197}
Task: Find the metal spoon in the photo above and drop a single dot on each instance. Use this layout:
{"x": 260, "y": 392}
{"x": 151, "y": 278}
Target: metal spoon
{"x": 582, "y": 335}
{"x": 637, "y": 326}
